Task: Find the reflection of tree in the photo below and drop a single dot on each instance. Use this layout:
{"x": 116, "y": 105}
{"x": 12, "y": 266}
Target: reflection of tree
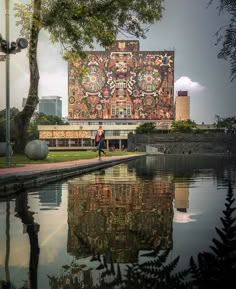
{"x": 7, "y": 273}
{"x": 32, "y": 230}
{"x": 212, "y": 270}
{"x": 5, "y": 284}
{"x": 156, "y": 273}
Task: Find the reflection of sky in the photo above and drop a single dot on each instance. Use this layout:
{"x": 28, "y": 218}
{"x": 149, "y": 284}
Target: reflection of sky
{"x": 193, "y": 231}
{"x": 52, "y": 234}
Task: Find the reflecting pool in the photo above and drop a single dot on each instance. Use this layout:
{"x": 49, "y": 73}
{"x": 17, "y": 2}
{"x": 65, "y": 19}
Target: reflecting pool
{"x": 88, "y": 229}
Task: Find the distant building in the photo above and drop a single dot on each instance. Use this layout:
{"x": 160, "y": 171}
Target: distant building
{"x": 50, "y": 198}
{"x": 182, "y": 106}
{"x": 51, "y": 105}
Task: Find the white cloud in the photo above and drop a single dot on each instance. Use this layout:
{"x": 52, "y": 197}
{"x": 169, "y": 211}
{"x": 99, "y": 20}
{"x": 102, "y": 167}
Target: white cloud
{"x": 53, "y": 83}
{"x": 185, "y": 83}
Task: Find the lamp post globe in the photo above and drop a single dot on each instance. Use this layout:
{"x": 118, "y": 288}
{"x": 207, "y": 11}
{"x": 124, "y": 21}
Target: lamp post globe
{"x": 21, "y": 43}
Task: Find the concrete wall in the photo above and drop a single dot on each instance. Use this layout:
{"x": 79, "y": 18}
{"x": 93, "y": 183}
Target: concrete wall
{"x": 184, "y": 142}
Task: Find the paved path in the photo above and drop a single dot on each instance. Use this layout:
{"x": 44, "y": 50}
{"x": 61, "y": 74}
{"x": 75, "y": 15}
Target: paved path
{"x": 15, "y": 179}
{"x": 24, "y": 168}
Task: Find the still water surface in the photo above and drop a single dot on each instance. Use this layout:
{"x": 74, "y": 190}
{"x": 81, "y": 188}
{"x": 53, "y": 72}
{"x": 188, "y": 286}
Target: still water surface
{"x": 114, "y": 216}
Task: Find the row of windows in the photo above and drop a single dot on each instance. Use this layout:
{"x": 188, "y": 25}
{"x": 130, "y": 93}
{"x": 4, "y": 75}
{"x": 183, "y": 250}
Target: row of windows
{"x": 114, "y": 132}
{"x": 69, "y": 142}
{"x": 105, "y": 123}
{"x": 82, "y": 143}
{"x": 116, "y": 122}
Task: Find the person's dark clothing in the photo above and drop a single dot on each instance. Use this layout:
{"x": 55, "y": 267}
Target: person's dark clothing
{"x": 100, "y": 147}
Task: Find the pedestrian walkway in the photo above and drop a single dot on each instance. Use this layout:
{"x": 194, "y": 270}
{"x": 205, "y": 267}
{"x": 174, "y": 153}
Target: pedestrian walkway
{"x": 24, "y": 168}
{"x": 15, "y": 179}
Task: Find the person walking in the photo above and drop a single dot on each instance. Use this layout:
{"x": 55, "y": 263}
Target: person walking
{"x": 98, "y": 135}
{"x": 100, "y": 146}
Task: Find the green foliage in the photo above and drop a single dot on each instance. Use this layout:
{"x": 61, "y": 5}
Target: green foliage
{"x": 184, "y": 126}
{"x": 13, "y": 112}
{"x": 217, "y": 269}
{"x": 226, "y": 122}
{"x": 227, "y": 33}
{"x": 44, "y": 119}
{"x": 80, "y": 24}
{"x": 23, "y": 12}
{"x": 41, "y": 119}
{"x": 157, "y": 273}
{"x": 32, "y": 131}
{"x": 146, "y": 128}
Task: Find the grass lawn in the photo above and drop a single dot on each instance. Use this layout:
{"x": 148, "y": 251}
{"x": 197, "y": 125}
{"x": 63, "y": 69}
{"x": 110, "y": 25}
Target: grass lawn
{"x": 54, "y": 157}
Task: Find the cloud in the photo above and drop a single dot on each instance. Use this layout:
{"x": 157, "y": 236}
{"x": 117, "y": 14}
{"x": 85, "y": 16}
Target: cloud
{"x": 53, "y": 83}
{"x": 185, "y": 83}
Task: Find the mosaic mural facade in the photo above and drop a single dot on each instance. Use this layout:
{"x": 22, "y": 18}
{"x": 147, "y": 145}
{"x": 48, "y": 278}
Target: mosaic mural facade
{"x": 64, "y": 134}
{"x": 122, "y": 83}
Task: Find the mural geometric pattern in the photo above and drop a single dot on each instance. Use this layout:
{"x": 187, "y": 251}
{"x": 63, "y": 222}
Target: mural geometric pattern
{"x": 122, "y": 83}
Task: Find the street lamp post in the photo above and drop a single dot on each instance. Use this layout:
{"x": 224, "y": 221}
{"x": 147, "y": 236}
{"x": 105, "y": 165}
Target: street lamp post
{"x": 9, "y": 48}
{"x": 8, "y": 141}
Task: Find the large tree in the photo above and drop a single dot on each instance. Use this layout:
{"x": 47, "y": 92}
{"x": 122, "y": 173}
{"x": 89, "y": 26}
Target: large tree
{"x": 226, "y": 35}
{"x": 77, "y": 24}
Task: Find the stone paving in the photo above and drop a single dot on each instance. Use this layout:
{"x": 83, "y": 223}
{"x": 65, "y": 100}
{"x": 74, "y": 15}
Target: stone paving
{"x": 16, "y": 179}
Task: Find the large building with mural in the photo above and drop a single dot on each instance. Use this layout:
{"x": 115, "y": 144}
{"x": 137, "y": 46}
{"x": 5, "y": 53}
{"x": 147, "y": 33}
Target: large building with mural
{"x": 122, "y": 83}
{"x": 119, "y": 88}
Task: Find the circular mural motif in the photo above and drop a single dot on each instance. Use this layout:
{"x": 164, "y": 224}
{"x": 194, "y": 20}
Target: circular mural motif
{"x": 71, "y": 99}
{"x": 149, "y": 79}
{"x": 94, "y": 79}
{"x": 149, "y": 101}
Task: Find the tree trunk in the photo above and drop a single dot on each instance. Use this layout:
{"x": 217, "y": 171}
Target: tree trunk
{"x": 22, "y": 120}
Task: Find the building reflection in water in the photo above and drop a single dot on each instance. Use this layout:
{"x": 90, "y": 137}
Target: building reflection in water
{"x": 118, "y": 219}
{"x": 51, "y": 198}
{"x": 181, "y": 202}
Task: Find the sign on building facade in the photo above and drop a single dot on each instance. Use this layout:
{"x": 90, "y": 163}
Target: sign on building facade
{"x": 122, "y": 83}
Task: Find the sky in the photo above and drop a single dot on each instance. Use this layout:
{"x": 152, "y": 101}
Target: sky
{"x": 188, "y": 27}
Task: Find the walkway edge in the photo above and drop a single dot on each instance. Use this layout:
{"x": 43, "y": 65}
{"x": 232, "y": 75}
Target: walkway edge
{"x": 13, "y": 183}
